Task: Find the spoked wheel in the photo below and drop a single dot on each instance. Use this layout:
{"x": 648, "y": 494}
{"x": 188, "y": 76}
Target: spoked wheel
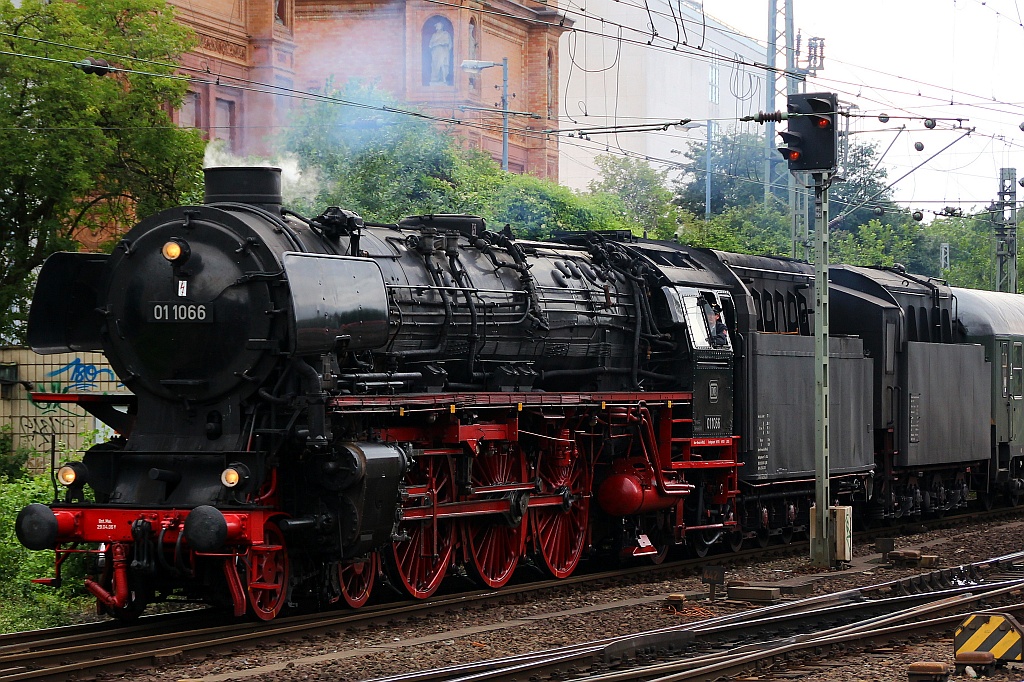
{"x": 787, "y": 535}
{"x": 735, "y": 541}
{"x": 419, "y": 562}
{"x": 356, "y": 579}
{"x": 560, "y": 531}
{"x": 495, "y": 543}
{"x": 662, "y": 554}
{"x": 699, "y": 547}
{"x": 655, "y": 527}
{"x": 703, "y": 541}
{"x": 267, "y": 571}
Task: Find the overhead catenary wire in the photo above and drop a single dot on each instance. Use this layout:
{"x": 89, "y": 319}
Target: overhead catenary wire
{"x": 246, "y": 84}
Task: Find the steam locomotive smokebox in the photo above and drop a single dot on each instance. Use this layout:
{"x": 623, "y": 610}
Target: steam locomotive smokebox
{"x": 249, "y": 185}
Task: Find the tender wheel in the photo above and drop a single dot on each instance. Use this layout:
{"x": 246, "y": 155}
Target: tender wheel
{"x": 560, "y": 531}
{"x": 267, "y": 572}
{"x": 356, "y": 579}
{"x": 495, "y": 543}
{"x": 419, "y": 562}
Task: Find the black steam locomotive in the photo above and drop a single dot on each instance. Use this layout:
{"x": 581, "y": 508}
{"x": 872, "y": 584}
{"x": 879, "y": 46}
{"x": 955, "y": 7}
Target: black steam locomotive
{"x": 319, "y": 403}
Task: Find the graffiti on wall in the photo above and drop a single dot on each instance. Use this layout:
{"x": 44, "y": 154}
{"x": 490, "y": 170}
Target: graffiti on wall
{"x": 65, "y": 421}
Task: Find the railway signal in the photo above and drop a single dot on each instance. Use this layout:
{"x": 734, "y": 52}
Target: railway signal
{"x": 811, "y": 143}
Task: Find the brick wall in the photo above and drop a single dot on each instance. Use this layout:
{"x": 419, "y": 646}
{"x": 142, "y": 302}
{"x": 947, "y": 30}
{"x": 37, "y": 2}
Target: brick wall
{"x": 301, "y": 44}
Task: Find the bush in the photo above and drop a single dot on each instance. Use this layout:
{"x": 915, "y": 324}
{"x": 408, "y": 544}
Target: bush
{"x": 12, "y": 462}
{"x": 28, "y": 606}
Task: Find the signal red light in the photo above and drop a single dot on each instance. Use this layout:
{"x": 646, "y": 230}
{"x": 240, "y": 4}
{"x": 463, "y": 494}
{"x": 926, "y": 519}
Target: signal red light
{"x": 822, "y": 122}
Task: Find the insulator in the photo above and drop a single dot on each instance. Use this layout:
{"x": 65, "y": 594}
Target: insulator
{"x": 766, "y": 116}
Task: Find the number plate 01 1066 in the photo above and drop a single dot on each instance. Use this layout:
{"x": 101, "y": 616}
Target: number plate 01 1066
{"x": 180, "y": 312}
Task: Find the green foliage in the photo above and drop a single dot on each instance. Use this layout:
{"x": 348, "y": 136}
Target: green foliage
{"x": 864, "y": 182}
{"x": 742, "y": 229}
{"x": 537, "y": 207}
{"x": 12, "y": 460}
{"x": 84, "y": 153}
{"x": 642, "y": 191}
{"x": 737, "y": 169}
{"x": 971, "y": 250}
{"x": 385, "y": 166}
{"x": 27, "y": 605}
{"x": 873, "y": 244}
{"x": 380, "y": 164}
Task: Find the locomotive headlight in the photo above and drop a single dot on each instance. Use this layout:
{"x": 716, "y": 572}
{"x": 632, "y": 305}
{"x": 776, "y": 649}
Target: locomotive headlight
{"x": 175, "y": 250}
{"x": 237, "y": 474}
{"x": 72, "y": 473}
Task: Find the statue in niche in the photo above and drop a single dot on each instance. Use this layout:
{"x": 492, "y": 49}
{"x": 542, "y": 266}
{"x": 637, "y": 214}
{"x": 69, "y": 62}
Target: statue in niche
{"x": 474, "y": 42}
{"x": 440, "y": 55}
{"x": 474, "y": 53}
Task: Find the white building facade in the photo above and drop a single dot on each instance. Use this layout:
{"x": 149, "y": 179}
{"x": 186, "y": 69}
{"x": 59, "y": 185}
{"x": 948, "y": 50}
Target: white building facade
{"x": 616, "y": 72}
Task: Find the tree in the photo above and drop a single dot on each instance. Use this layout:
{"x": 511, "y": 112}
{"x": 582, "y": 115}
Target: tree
{"x": 643, "y": 192}
{"x": 385, "y": 165}
{"x": 744, "y": 229}
{"x": 874, "y": 244}
{"x": 381, "y": 163}
{"x": 862, "y": 194}
{"x": 737, "y": 169}
{"x": 84, "y": 154}
{"x": 972, "y": 250}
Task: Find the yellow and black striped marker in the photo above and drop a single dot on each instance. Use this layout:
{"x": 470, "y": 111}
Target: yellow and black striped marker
{"x": 992, "y": 631}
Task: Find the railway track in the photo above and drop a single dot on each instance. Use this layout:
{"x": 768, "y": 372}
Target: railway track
{"x": 728, "y": 646}
{"x": 108, "y": 647}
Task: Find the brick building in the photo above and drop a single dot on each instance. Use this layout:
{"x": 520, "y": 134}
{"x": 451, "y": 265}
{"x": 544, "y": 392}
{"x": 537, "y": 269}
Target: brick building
{"x": 412, "y": 48}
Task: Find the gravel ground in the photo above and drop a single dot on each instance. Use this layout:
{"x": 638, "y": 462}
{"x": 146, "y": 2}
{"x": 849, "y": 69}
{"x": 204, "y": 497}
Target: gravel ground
{"x": 578, "y": 616}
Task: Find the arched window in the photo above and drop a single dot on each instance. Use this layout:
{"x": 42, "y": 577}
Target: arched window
{"x": 438, "y": 52}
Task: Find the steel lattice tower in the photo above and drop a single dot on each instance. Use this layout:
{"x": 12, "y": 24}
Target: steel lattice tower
{"x": 1005, "y": 219}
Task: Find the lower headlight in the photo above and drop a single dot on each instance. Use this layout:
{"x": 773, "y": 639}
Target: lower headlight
{"x": 236, "y": 475}
{"x": 73, "y": 473}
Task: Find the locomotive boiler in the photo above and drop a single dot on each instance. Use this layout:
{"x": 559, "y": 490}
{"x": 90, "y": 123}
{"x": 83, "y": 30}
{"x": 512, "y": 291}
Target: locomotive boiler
{"x": 318, "y": 402}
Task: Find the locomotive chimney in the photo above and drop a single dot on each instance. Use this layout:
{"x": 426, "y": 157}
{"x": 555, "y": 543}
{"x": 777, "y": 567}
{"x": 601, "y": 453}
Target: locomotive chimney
{"x": 260, "y": 186}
